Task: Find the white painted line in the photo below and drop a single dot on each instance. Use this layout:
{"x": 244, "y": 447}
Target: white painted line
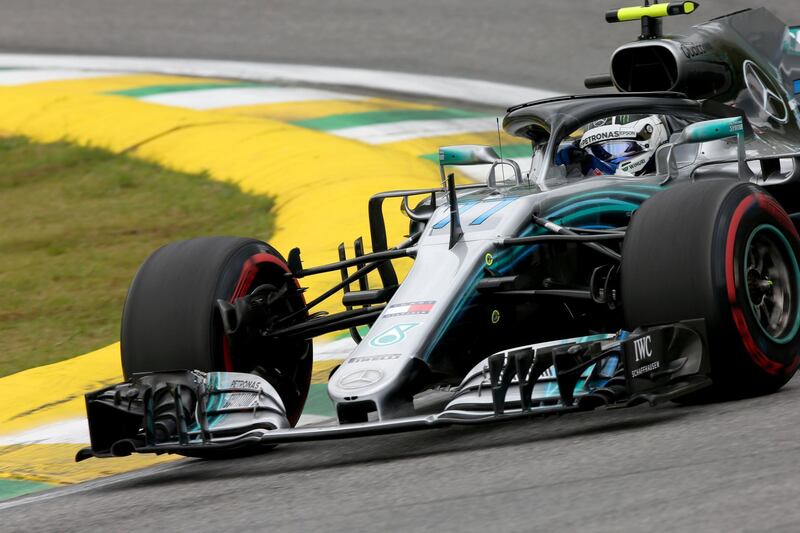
{"x": 338, "y": 349}
{"x": 87, "y": 486}
{"x": 76, "y": 431}
{"x": 415, "y": 129}
{"x": 308, "y": 420}
{"x": 26, "y": 76}
{"x": 240, "y": 96}
{"x": 70, "y": 431}
{"x": 459, "y": 89}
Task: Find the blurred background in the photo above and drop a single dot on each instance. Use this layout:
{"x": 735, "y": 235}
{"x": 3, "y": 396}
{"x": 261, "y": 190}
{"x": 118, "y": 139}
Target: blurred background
{"x": 78, "y": 215}
{"x": 551, "y": 45}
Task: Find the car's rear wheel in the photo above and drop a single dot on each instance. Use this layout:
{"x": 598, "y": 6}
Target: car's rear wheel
{"x": 725, "y": 251}
{"x": 170, "y": 320}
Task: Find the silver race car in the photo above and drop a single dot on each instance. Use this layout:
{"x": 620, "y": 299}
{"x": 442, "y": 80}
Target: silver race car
{"x": 648, "y": 254}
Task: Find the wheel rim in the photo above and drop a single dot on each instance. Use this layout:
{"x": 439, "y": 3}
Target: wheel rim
{"x": 771, "y": 272}
{"x": 259, "y": 269}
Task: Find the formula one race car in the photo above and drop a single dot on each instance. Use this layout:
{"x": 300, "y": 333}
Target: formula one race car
{"x": 650, "y": 236}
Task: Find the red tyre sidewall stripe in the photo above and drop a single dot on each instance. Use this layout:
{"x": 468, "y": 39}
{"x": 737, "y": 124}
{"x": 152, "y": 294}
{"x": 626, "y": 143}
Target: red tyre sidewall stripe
{"x": 771, "y": 206}
{"x": 758, "y": 357}
{"x": 242, "y": 287}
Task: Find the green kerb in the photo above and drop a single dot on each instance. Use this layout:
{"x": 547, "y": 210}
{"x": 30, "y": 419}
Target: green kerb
{"x": 11, "y": 488}
{"x": 318, "y": 402}
{"x": 150, "y": 90}
{"x": 351, "y": 120}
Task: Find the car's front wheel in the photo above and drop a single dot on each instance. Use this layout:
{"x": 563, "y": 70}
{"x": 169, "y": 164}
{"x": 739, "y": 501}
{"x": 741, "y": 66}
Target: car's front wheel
{"x": 727, "y": 252}
{"x": 171, "y": 320}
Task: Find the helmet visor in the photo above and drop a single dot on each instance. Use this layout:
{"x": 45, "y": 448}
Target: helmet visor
{"x": 608, "y": 151}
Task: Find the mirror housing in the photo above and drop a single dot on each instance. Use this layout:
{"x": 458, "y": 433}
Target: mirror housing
{"x": 467, "y": 154}
{"x": 712, "y": 130}
{"x": 476, "y": 154}
{"x": 706, "y": 131}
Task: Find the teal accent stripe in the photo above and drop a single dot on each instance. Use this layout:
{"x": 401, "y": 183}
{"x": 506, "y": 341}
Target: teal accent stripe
{"x": 510, "y": 257}
{"x": 788, "y": 249}
{"x": 351, "y": 120}
{"x": 610, "y": 195}
{"x": 466, "y": 295}
{"x": 511, "y": 151}
{"x": 513, "y": 256}
{"x": 150, "y": 90}
{"x": 11, "y": 488}
{"x": 610, "y": 203}
{"x": 569, "y": 219}
{"x": 216, "y": 401}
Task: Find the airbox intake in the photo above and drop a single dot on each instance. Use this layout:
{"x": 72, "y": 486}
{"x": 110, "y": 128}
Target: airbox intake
{"x": 670, "y": 65}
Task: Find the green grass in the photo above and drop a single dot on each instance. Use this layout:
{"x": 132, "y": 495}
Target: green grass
{"x": 75, "y": 223}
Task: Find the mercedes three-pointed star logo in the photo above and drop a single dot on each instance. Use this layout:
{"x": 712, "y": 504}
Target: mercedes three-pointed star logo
{"x": 360, "y": 379}
{"x": 764, "y": 93}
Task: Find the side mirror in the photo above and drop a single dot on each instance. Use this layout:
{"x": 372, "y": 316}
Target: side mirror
{"x": 712, "y": 130}
{"x": 700, "y": 132}
{"x": 475, "y": 154}
{"x": 467, "y": 154}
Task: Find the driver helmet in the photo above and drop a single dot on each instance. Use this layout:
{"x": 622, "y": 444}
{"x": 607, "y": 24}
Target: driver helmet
{"x": 624, "y": 145}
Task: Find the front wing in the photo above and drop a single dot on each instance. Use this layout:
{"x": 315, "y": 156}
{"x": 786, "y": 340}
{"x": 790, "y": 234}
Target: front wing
{"x": 197, "y": 413}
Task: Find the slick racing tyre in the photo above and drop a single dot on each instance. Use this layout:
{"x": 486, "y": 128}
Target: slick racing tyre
{"x": 725, "y": 251}
{"x": 171, "y": 320}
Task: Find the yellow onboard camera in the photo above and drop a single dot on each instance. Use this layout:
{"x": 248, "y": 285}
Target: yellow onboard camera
{"x": 651, "y": 15}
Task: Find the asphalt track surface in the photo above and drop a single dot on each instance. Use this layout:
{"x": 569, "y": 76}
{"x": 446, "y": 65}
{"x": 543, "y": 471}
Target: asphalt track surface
{"x": 723, "y": 467}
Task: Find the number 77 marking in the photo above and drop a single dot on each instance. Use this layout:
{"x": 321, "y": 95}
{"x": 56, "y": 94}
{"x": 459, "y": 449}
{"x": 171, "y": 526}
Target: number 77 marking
{"x": 480, "y": 219}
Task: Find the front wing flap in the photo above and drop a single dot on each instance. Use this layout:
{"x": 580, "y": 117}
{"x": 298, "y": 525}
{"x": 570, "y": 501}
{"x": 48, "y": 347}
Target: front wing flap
{"x": 192, "y": 412}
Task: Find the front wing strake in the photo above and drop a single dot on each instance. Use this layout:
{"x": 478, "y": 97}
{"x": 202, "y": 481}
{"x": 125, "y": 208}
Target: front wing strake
{"x": 196, "y": 413}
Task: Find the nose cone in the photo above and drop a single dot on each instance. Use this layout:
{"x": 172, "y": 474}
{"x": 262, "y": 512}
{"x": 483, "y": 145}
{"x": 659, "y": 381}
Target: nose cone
{"x": 360, "y": 379}
{"x": 373, "y": 377}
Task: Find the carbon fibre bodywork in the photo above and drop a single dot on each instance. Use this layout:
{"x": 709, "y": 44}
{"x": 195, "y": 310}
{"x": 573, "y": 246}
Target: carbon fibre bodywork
{"x": 460, "y": 319}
